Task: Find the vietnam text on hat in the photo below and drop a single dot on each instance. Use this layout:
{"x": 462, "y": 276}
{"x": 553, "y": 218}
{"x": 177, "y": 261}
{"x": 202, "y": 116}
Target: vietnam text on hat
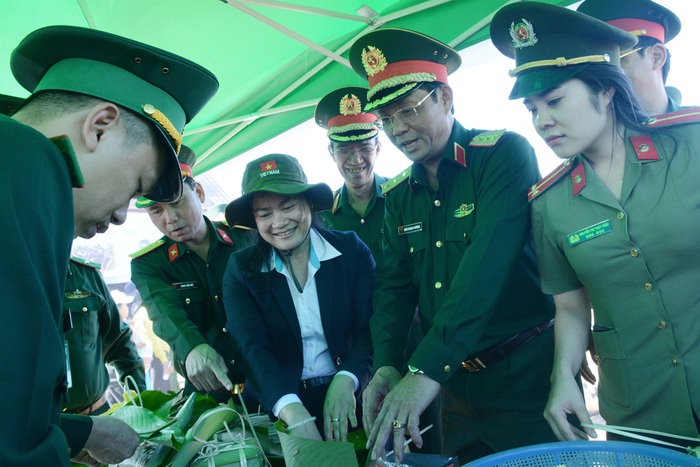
{"x": 275, "y": 173}
{"x": 340, "y": 112}
{"x": 552, "y": 44}
{"x": 639, "y": 17}
{"x": 397, "y": 61}
{"x": 186, "y": 160}
{"x": 164, "y": 88}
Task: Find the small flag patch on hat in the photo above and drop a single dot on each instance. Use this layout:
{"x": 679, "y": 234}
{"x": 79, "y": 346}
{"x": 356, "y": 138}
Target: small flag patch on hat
{"x": 268, "y": 165}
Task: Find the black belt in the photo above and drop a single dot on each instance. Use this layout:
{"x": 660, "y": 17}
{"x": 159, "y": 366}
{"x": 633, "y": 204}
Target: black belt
{"x": 492, "y": 355}
{"x": 317, "y": 381}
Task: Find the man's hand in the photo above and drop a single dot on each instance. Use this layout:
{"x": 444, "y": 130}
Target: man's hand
{"x": 110, "y": 442}
{"x": 404, "y": 404}
{"x": 565, "y": 398}
{"x": 373, "y": 396}
{"x": 207, "y": 370}
{"x": 338, "y": 408}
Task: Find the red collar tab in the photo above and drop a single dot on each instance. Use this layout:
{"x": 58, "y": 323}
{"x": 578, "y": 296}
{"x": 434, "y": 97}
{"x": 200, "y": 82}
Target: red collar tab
{"x": 224, "y": 236}
{"x": 644, "y": 148}
{"x": 578, "y": 179}
{"x": 460, "y": 155}
{"x": 173, "y": 252}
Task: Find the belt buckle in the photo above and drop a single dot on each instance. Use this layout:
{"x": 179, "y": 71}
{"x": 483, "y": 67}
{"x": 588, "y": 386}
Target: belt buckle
{"x": 471, "y": 366}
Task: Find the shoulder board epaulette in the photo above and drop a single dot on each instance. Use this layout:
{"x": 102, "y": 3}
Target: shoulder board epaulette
{"x": 85, "y": 262}
{"x": 148, "y": 248}
{"x": 679, "y": 117}
{"x": 396, "y": 181}
{"x": 242, "y": 227}
{"x": 539, "y": 187}
{"x": 486, "y": 139}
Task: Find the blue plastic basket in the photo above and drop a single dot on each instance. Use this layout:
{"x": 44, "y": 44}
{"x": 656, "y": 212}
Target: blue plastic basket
{"x": 588, "y": 454}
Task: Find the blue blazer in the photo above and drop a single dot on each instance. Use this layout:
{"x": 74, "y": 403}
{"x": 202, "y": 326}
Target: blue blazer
{"x": 262, "y": 320}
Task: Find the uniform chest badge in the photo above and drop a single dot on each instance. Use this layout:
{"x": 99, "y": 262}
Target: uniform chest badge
{"x": 589, "y": 233}
{"x": 464, "y": 210}
{"x": 77, "y": 293}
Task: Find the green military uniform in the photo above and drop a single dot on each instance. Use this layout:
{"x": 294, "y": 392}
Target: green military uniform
{"x": 182, "y": 294}
{"x": 646, "y": 305}
{"x": 38, "y": 231}
{"x": 462, "y": 253}
{"x": 98, "y": 336}
{"x": 37, "y": 211}
{"x": 367, "y": 227}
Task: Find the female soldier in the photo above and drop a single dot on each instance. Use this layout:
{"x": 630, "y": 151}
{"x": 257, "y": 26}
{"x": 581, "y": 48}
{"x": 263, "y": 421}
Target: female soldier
{"x": 298, "y": 302}
{"x": 614, "y": 226}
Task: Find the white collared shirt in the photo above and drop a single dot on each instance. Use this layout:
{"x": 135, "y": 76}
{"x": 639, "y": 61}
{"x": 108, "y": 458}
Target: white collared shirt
{"x": 317, "y": 357}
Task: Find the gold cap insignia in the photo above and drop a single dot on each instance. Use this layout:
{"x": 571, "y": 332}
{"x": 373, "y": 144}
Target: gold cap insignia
{"x": 523, "y": 34}
{"x": 350, "y": 105}
{"x": 373, "y": 60}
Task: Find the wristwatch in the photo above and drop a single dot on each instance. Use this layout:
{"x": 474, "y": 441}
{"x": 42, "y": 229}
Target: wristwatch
{"x": 415, "y": 371}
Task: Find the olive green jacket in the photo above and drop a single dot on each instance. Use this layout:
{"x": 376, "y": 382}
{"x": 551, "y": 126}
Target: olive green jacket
{"x": 98, "y": 336}
{"x": 463, "y": 254}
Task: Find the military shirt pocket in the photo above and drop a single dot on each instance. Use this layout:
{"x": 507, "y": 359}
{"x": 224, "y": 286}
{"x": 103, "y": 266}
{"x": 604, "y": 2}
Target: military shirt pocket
{"x": 458, "y": 230}
{"x": 614, "y": 377}
{"x": 194, "y": 302}
{"x": 416, "y": 242}
{"x": 84, "y": 314}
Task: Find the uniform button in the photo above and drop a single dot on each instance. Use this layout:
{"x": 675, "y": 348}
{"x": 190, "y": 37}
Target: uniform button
{"x": 216, "y": 298}
{"x": 648, "y": 287}
{"x": 187, "y": 300}
{"x": 634, "y": 252}
{"x": 662, "y": 324}
{"x": 337, "y": 361}
{"x": 674, "y": 362}
{"x": 85, "y": 309}
{"x": 438, "y": 285}
{"x": 410, "y": 250}
{"x": 596, "y": 358}
{"x": 224, "y": 330}
{"x": 437, "y": 203}
{"x": 362, "y": 221}
{"x": 438, "y": 244}
{"x": 620, "y": 215}
{"x": 447, "y": 368}
{"x": 233, "y": 362}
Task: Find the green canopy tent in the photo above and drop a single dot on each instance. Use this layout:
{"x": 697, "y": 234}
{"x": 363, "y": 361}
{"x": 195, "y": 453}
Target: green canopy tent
{"x": 274, "y": 59}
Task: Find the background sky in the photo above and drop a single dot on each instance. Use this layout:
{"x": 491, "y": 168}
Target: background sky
{"x": 481, "y": 88}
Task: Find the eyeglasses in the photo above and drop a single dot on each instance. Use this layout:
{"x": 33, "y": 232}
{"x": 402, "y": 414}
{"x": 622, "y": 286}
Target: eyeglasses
{"x": 631, "y": 51}
{"x": 406, "y": 115}
{"x": 364, "y": 152}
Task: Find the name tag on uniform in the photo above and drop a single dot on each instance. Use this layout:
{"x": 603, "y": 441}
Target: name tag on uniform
{"x": 185, "y": 285}
{"x": 589, "y": 233}
{"x": 410, "y": 228}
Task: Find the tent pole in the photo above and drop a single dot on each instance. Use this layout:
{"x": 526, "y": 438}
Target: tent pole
{"x": 307, "y": 9}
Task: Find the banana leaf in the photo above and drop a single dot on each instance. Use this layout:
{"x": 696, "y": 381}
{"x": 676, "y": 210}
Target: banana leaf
{"x": 303, "y": 452}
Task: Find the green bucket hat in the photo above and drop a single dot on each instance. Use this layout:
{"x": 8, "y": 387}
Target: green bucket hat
{"x": 397, "y": 61}
{"x": 552, "y": 44}
{"x": 340, "y": 112}
{"x": 165, "y": 89}
{"x": 186, "y": 160}
{"x": 275, "y": 173}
